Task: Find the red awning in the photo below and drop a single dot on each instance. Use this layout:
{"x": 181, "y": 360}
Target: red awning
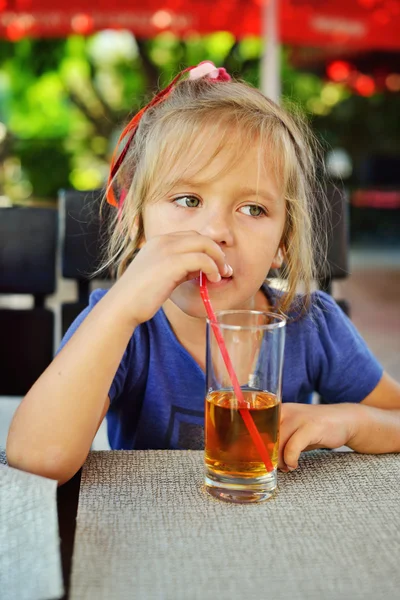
{"x": 361, "y": 24}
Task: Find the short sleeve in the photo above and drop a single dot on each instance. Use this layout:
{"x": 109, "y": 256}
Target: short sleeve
{"x": 121, "y": 374}
{"x": 344, "y": 368}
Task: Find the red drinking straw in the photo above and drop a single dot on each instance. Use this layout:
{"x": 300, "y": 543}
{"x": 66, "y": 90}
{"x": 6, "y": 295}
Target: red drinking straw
{"x": 244, "y": 412}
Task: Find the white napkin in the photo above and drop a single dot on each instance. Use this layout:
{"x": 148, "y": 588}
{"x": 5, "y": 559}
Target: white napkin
{"x": 30, "y": 560}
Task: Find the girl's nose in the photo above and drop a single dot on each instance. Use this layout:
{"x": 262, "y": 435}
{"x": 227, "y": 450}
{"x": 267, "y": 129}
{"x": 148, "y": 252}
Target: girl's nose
{"x": 218, "y": 229}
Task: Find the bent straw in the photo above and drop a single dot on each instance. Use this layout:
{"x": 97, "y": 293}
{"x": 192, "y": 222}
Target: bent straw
{"x": 244, "y": 412}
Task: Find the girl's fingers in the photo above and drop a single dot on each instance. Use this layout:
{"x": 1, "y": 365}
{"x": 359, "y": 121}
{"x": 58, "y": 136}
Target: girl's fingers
{"x": 303, "y": 437}
{"x": 288, "y": 425}
{"x": 194, "y": 242}
{"x": 196, "y": 262}
{"x": 284, "y": 437}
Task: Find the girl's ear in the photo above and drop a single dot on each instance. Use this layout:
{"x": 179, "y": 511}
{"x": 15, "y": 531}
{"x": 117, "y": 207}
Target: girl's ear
{"x": 137, "y": 226}
{"x": 278, "y": 259}
{"x": 134, "y": 228}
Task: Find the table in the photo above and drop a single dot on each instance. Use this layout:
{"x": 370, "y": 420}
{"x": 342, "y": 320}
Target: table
{"x": 147, "y": 529}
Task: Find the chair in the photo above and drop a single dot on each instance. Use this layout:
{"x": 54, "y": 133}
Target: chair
{"x": 338, "y": 243}
{"x": 28, "y": 239}
{"x": 81, "y": 233}
{"x": 81, "y": 240}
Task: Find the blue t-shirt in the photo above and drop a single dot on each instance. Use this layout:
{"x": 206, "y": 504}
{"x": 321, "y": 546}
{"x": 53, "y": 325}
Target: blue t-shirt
{"x": 157, "y": 395}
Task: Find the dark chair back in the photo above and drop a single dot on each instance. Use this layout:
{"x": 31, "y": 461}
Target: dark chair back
{"x": 28, "y": 241}
{"x": 28, "y": 251}
{"x": 337, "y": 238}
{"x": 81, "y": 233}
{"x": 338, "y": 243}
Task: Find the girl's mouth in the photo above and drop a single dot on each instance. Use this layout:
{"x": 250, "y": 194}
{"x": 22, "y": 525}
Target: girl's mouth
{"x": 224, "y": 281}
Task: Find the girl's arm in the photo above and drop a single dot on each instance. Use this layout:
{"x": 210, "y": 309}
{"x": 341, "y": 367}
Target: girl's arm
{"x": 377, "y": 428}
{"x": 54, "y": 426}
{"x": 372, "y": 427}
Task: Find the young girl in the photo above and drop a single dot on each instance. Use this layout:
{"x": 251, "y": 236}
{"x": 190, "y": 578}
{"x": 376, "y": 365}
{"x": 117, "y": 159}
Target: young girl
{"x": 213, "y": 178}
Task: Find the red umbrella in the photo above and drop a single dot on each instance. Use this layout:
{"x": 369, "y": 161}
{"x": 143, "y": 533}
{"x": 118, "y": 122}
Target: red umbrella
{"x": 345, "y": 23}
{"x": 341, "y": 24}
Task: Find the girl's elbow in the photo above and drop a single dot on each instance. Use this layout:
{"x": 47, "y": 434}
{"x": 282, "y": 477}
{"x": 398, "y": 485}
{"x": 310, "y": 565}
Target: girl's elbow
{"x": 52, "y": 464}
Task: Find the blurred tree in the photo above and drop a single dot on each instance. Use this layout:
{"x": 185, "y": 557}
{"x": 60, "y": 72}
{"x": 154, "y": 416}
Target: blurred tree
{"x": 63, "y": 102}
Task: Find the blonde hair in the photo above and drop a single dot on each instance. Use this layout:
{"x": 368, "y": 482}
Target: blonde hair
{"x": 223, "y": 110}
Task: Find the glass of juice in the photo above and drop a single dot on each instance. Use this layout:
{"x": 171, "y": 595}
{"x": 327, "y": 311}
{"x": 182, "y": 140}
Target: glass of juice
{"x": 234, "y": 468}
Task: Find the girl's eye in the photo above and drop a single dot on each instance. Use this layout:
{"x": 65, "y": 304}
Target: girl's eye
{"x": 187, "y": 201}
{"x": 253, "y": 210}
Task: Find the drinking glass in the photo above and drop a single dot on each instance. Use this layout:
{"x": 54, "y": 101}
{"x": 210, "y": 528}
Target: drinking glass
{"x": 236, "y": 470}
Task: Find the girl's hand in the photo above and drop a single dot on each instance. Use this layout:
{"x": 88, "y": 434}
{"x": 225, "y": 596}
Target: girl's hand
{"x": 162, "y": 264}
{"x": 306, "y": 427}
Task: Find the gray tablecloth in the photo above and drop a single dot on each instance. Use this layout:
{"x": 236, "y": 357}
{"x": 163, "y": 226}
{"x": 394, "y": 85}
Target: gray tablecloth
{"x": 147, "y": 530}
{"x": 30, "y": 562}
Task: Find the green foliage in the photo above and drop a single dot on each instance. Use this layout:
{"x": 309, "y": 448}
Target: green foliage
{"x": 46, "y": 164}
{"x": 64, "y": 102}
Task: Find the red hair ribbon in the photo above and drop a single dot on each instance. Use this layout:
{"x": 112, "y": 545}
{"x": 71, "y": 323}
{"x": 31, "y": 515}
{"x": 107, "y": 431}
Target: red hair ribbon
{"x": 203, "y": 69}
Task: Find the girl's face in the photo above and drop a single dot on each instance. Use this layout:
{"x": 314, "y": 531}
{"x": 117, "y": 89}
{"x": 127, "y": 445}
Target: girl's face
{"x": 237, "y": 203}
